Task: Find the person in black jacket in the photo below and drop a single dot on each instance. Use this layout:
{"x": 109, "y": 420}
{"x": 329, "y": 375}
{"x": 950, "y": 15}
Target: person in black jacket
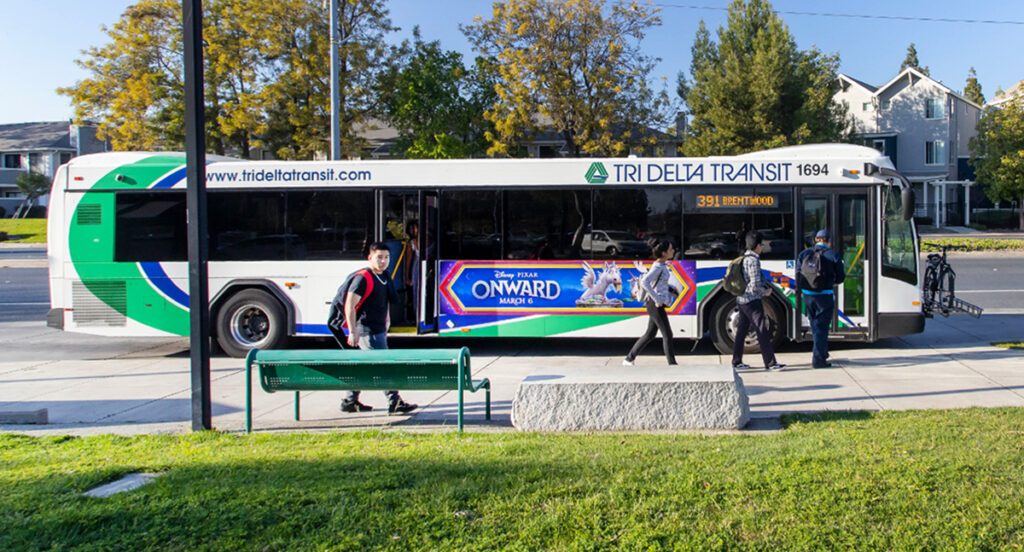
{"x": 819, "y": 301}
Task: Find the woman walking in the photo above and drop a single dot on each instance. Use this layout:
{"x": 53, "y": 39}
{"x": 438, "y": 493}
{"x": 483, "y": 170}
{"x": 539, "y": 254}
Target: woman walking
{"x": 659, "y": 296}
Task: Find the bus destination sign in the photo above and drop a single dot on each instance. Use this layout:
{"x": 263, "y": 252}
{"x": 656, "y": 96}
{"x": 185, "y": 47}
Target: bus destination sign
{"x": 732, "y": 201}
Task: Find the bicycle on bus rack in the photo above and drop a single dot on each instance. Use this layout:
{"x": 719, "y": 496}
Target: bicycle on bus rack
{"x": 938, "y": 294}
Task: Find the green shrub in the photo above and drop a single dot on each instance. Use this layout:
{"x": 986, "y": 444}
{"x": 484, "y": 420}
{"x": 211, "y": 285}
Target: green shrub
{"x": 977, "y": 226}
{"x": 971, "y": 244}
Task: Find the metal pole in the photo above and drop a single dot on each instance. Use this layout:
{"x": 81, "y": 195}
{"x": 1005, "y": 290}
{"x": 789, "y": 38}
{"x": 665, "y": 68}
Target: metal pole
{"x": 195, "y": 192}
{"x": 335, "y": 93}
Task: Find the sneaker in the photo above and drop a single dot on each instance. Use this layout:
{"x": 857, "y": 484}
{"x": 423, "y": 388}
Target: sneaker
{"x": 401, "y": 407}
{"x": 627, "y": 362}
{"x": 354, "y": 406}
{"x": 741, "y": 366}
{"x": 776, "y": 367}
{"x": 826, "y": 365}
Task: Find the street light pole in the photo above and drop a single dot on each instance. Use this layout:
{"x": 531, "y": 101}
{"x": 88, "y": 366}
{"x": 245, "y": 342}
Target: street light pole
{"x": 335, "y": 93}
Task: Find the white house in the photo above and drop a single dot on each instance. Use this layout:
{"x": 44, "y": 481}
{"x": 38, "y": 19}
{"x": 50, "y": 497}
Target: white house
{"x": 925, "y": 129}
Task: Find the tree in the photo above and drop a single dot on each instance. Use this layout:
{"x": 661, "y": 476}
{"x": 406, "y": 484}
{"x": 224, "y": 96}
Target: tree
{"x": 911, "y": 60}
{"x": 266, "y": 75}
{"x": 32, "y": 185}
{"x": 436, "y": 104}
{"x": 972, "y": 90}
{"x": 571, "y": 65}
{"x": 754, "y": 89}
{"x": 997, "y": 153}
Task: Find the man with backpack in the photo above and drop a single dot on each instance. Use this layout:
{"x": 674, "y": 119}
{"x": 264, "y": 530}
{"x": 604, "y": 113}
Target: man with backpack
{"x": 363, "y": 305}
{"x": 752, "y": 308}
{"x": 819, "y": 269}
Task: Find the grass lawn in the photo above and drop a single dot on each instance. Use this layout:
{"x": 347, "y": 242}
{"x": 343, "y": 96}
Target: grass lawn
{"x": 24, "y": 230}
{"x": 929, "y": 480}
{"x": 1009, "y": 344}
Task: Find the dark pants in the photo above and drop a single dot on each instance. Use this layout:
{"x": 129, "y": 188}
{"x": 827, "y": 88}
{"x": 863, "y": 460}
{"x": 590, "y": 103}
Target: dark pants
{"x": 753, "y": 313}
{"x": 658, "y": 321}
{"x": 819, "y": 310}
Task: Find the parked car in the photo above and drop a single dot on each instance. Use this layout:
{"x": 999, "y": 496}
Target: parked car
{"x": 613, "y": 242}
{"x": 719, "y": 245}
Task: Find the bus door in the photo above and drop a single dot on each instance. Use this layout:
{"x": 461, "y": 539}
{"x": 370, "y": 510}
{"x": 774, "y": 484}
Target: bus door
{"x": 399, "y": 229}
{"x": 845, "y": 215}
{"x": 428, "y": 245}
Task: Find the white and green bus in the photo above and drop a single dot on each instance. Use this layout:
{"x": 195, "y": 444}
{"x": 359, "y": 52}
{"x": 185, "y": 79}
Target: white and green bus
{"x": 509, "y": 247}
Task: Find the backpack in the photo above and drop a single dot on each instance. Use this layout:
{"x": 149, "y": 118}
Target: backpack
{"x": 641, "y": 292}
{"x": 735, "y": 282}
{"x": 336, "y": 318}
{"x": 812, "y": 270}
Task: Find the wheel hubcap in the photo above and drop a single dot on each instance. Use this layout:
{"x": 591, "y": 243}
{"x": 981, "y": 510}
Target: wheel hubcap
{"x": 250, "y": 325}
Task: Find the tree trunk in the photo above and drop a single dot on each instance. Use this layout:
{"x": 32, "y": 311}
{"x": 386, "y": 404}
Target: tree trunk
{"x": 1020, "y": 205}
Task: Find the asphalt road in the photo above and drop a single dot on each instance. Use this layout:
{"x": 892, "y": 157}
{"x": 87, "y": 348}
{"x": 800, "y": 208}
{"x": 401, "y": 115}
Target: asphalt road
{"x": 991, "y": 281}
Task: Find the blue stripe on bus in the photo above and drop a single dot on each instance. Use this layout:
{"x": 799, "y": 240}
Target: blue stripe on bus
{"x": 156, "y": 275}
{"x": 316, "y": 329}
{"x": 170, "y": 180}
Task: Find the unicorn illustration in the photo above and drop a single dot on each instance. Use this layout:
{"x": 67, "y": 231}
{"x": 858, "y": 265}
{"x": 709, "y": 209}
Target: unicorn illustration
{"x": 596, "y": 288}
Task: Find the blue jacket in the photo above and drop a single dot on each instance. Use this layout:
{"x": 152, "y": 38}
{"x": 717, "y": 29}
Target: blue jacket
{"x": 834, "y": 270}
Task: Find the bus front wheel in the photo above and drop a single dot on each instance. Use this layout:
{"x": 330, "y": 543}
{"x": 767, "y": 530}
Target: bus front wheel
{"x": 726, "y": 316}
{"x": 250, "y": 319}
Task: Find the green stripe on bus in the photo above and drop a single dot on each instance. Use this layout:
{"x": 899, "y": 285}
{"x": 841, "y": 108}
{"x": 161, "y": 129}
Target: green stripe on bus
{"x": 542, "y": 326}
{"x": 91, "y": 247}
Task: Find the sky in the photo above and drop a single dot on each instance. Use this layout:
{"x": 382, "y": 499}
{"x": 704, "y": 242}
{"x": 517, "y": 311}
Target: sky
{"x": 43, "y": 38}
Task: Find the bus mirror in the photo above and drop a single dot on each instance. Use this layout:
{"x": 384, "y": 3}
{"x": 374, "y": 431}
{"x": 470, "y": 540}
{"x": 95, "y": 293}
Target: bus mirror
{"x": 907, "y": 203}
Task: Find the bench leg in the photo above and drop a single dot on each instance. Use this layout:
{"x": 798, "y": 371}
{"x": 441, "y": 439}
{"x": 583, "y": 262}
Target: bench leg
{"x": 296, "y": 406}
{"x": 488, "y": 403}
{"x": 460, "y": 410}
{"x": 248, "y": 397}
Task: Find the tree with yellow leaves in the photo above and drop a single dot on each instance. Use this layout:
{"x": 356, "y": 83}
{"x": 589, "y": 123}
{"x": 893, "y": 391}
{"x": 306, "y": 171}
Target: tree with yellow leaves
{"x": 266, "y": 75}
{"x": 574, "y": 66}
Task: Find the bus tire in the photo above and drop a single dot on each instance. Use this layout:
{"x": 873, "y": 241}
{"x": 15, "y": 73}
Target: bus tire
{"x": 724, "y": 320}
{"x": 251, "y": 319}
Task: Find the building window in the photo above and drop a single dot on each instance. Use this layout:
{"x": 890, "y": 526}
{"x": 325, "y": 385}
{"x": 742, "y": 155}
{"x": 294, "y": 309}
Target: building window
{"x": 12, "y": 160}
{"x": 867, "y": 106}
{"x": 886, "y": 105}
{"x": 935, "y": 152}
{"x": 65, "y": 156}
{"x": 934, "y": 108}
{"x": 879, "y": 145}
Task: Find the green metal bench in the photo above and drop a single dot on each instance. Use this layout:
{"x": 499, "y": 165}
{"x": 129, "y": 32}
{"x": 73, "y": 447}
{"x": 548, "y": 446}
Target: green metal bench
{"x": 340, "y": 370}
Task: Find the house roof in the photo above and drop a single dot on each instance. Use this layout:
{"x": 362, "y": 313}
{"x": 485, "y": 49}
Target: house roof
{"x": 54, "y": 135}
{"x": 877, "y": 91}
{"x": 1017, "y": 90}
{"x": 861, "y": 84}
{"x": 920, "y": 75}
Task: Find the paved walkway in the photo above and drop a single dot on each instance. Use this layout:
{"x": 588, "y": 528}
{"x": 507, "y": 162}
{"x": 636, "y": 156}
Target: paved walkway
{"x": 951, "y": 365}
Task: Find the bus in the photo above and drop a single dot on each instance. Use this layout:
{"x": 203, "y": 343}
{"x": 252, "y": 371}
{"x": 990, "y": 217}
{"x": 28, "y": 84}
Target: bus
{"x": 502, "y": 247}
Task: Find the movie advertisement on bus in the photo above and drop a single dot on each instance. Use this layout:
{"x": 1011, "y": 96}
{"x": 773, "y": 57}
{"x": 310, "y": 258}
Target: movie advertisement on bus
{"x": 558, "y": 287}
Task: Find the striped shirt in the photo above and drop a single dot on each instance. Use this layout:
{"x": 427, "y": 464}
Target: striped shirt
{"x": 755, "y": 281}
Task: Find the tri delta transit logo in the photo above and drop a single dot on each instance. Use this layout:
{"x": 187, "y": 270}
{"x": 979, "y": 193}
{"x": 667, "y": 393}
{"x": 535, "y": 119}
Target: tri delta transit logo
{"x": 596, "y": 174}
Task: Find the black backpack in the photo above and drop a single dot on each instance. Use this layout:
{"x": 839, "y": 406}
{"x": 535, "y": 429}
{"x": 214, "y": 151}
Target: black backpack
{"x": 813, "y": 270}
{"x": 336, "y": 318}
{"x": 735, "y": 282}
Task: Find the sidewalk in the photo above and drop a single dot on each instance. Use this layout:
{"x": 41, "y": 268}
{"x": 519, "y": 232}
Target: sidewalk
{"x": 951, "y": 365}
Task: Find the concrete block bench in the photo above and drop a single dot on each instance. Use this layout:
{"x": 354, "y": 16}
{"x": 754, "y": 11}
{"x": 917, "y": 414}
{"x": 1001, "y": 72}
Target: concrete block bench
{"x": 634, "y": 398}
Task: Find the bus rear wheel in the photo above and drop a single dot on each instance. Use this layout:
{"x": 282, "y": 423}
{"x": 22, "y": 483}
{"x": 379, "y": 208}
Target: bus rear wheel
{"x": 250, "y": 319}
{"x": 726, "y": 316}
